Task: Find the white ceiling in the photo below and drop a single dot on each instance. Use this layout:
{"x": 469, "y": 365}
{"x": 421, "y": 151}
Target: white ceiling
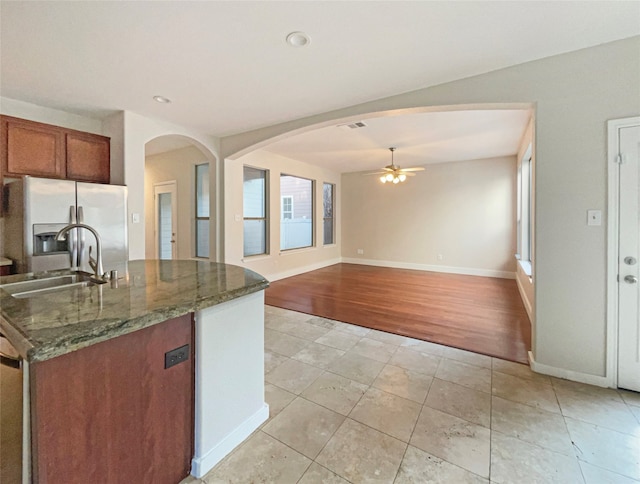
{"x": 228, "y": 69}
{"x": 420, "y": 139}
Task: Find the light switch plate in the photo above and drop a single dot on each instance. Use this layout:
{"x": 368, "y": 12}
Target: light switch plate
{"x": 594, "y": 217}
{"x": 135, "y": 218}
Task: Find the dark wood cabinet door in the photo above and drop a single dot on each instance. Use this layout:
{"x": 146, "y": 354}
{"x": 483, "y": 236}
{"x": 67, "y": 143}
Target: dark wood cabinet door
{"x": 88, "y": 158}
{"x": 30, "y": 148}
{"x": 111, "y": 413}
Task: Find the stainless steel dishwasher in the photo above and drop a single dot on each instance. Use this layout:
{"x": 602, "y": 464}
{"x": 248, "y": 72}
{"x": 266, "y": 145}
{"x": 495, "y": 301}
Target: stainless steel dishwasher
{"x": 11, "y": 416}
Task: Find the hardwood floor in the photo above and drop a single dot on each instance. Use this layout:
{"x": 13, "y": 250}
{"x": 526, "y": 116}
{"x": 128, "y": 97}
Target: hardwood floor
{"x": 480, "y": 314}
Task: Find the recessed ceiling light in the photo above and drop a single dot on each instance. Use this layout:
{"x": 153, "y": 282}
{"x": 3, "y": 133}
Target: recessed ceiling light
{"x": 161, "y": 99}
{"x": 298, "y": 39}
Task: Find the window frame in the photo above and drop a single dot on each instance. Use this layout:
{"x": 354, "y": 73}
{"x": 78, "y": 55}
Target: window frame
{"x": 199, "y": 218}
{"x": 266, "y": 211}
{"x": 524, "y": 212}
{"x": 312, "y": 191}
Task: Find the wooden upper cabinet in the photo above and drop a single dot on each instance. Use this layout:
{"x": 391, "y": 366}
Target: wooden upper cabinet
{"x": 88, "y": 158}
{"x": 38, "y": 149}
{"x": 30, "y": 148}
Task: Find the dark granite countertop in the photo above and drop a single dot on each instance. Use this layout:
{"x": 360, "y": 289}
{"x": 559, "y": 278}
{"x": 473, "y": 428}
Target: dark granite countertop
{"x": 150, "y": 292}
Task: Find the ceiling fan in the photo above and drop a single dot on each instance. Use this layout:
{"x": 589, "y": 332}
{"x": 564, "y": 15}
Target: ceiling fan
{"x": 393, "y": 173}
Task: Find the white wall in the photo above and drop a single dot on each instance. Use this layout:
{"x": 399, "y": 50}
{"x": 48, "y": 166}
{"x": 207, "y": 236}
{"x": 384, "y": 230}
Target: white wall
{"x": 33, "y": 112}
{"x": 464, "y": 212}
{"x": 113, "y": 127}
{"x": 130, "y": 132}
{"x": 277, "y": 264}
{"x": 178, "y": 165}
{"x": 229, "y": 393}
{"x": 574, "y": 95}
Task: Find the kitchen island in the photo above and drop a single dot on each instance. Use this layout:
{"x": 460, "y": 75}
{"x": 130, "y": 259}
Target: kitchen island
{"x": 113, "y": 379}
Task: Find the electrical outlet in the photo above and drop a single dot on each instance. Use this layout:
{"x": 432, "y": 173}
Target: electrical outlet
{"x": 440, "y": 257}
{"x": 360, "y": 251}
{"x": 173, "y": 357}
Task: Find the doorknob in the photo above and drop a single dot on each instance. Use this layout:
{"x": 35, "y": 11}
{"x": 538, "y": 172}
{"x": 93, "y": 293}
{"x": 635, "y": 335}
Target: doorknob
{"x": 630, "y": 279}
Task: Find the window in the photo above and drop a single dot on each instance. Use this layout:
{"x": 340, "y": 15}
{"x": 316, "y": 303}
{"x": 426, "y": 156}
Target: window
{"x": 254, "y": 196}
{"x": 202, "y": 210}
{"x": 524, "y": 210}
{"x": 287, "y": 207}
{"x": 328, "y": 201}
{"x": 296, "y": 229}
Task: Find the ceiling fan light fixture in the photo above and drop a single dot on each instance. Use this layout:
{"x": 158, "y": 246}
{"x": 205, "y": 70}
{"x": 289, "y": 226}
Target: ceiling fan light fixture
{"x": 394, "y": 174}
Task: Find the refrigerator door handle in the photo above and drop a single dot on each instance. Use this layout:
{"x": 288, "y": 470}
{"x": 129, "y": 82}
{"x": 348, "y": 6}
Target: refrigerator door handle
{"x": 73, "y": 245}
{"x": 81, "y": 236}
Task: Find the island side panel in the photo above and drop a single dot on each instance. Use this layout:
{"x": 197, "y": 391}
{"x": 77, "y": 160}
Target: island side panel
{"x": 230, "y": 401}
{"x": 112, "y": 413}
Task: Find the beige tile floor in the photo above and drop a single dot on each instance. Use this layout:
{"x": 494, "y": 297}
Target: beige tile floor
{"x": 349, "y": 404}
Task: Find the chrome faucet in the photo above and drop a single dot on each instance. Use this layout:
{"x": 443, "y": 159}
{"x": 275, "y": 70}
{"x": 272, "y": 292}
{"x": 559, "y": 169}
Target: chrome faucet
{"x": 96, "y": 264}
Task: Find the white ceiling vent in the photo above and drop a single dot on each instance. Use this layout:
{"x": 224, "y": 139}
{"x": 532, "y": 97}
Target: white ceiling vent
{"x": 356, "y": 125}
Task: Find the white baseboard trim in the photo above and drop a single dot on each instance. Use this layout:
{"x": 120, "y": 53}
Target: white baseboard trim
{"x": 302, "y": 270}
{"x": 600, "y": 381}
{"x": 469, "y": 271}
{"x": 201, "y": 465}
{"x": 525, "y": 300}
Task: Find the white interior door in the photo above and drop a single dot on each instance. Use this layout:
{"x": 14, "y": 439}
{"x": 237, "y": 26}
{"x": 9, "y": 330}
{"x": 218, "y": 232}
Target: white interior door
{"x": 165, "y": 196}
{"x": 628, "y": 259}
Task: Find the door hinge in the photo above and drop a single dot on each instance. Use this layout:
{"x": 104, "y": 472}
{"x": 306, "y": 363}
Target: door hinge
{"x": 620, "y": 159}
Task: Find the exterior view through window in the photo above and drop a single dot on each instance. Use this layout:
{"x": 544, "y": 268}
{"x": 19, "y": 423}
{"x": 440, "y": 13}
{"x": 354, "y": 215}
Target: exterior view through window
{"x": 328, "y": 201}
{"x": 202, "y": 210}
{"x": 165, "y": 235}
{"x": 254, "y": 196}
{"x": 296, "y": 225}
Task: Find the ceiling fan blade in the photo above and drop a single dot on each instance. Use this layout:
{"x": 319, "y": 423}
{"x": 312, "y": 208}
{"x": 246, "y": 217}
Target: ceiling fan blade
{"x": 415, "y": 168}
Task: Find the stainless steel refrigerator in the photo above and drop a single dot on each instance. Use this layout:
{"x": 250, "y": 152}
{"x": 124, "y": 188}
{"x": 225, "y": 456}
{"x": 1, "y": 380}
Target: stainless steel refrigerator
{"x": 35, "y": 209}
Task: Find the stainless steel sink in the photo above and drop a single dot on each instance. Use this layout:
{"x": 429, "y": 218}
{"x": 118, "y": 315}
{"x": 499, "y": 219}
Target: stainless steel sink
{"x": 37, "y": 287}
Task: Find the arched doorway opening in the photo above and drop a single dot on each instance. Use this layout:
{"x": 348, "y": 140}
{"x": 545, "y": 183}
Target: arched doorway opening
{"x": 179, "y": 194}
